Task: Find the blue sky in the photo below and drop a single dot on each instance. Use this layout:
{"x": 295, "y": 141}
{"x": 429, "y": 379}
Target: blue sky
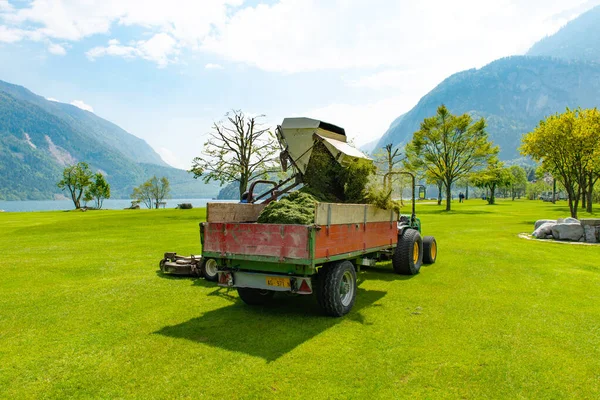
{"x": 165, "y": 70}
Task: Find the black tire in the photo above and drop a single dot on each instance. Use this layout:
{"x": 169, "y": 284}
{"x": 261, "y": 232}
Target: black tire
{"x": 209, "y": 269}
{"x": 255, "y": 297}
{"x": 429, "y": 250}
{"x": 408, "y": 258}
{"x": 337, "y": 288}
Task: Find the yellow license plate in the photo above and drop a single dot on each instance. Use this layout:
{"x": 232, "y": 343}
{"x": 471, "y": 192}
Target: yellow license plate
{"x": 278, "y": 282}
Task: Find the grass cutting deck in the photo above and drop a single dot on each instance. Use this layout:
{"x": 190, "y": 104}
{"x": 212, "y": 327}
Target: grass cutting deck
{"x": 84, "y": 313}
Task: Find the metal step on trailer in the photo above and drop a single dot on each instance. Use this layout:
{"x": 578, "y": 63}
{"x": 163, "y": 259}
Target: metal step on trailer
{"x": 174, "y": 264}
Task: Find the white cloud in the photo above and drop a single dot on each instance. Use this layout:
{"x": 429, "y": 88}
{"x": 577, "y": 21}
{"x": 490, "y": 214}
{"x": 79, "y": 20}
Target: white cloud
{"x": 5, "y": 6}
{"x": 82, "y": 105}
{"x": 307, "y": 35}
{"x": 11, "y": 35}
{"x": 302, "y": 35}
{"x": 114, "y": 48}
{"x": 183, "y": 24}
{"x": 52, "y": 99}
{"x": 213, "y": 66}
{"x": 57, "y": 49}
{"x": 159, "y": 49}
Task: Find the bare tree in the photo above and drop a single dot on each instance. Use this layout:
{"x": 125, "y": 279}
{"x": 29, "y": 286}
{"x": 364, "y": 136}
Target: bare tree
{"x": 239, "y": 149}
{"x": 388, "y": 160}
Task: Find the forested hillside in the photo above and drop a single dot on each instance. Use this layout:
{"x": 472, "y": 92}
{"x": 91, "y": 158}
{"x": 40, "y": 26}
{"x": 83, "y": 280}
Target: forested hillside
{"x": 39, "y": 137}
{"x": 515, "y": 93}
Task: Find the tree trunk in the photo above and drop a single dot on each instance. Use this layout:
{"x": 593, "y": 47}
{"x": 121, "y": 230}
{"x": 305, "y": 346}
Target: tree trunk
{"x": 590, "y": 193}
{"x": 243, "y": 185}
{"x": 439, "y": 194}
{"x": 77, "y": 199}
{"x": 467, "y": 193}
{"x": 448, "y": 197}
{"x": 554, "y": 191}
{"x": 74, "y": 198}
{"x": 573, "y": 202}
{"x": 584, "y": 196}
{"x": 492, "y": 197}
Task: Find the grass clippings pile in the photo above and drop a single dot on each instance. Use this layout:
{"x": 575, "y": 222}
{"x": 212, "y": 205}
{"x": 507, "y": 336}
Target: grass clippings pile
{"x": 329, "y": 181}
{"x": 296, "y": 209}
{"x": 326, "y": 180}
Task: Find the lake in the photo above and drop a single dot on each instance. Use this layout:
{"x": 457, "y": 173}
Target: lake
{"x": 60, "y": 205}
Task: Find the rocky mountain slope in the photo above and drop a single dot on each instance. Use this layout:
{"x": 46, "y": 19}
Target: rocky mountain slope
{"x": 515, "y": 93}
{"x": 39, "y": 137}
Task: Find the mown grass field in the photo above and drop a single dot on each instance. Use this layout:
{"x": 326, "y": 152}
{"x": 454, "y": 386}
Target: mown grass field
{"x": 85, "y": 314}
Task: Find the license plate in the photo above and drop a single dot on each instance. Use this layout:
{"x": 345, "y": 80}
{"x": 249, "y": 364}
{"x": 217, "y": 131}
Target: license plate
{"x": 278, "y": 282}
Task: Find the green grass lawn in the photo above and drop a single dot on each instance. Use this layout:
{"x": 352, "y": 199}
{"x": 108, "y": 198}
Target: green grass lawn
{"x": 84, "y": 313}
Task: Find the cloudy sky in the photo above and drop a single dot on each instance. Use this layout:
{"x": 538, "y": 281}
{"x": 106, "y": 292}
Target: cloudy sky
{"x": 165, "y": 70}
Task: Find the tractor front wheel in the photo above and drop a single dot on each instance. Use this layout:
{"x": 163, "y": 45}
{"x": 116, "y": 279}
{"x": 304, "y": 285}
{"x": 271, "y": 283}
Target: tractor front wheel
{"x": 408, "y": 256}
{"x": 429, "y": 250}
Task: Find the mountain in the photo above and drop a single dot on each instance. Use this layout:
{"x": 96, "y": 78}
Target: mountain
{"x": 367, "y": 148}
{"x": 578, "y": 40}
{"x": 513, "y": 94}
{"x": 39, "y": 137}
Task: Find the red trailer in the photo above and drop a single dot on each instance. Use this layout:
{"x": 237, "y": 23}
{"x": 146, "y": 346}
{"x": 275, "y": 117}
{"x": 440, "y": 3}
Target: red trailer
{"x": 262, "y": 259}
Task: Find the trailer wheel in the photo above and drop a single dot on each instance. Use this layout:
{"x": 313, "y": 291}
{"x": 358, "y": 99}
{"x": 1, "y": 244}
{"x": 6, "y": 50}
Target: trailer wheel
{"x": 210, "y": 269}
{"x": 408, "y": 256}
{"x": 337, "y": 288}
{"x": 255, "y": 297}
{"x": 429, "y": 250}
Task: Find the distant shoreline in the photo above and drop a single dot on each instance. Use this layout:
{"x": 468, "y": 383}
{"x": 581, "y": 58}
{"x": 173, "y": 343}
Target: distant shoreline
{"x": 65, "y": 205}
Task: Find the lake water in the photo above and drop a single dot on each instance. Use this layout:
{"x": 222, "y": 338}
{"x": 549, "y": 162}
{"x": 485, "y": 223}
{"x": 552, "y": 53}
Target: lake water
{"x": 58, "y": 205}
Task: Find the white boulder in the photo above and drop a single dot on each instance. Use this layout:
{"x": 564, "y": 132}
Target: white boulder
{"x": 568, "y": 231}
{"x": 541, "y": 222}
{"x": 543, "y": 230}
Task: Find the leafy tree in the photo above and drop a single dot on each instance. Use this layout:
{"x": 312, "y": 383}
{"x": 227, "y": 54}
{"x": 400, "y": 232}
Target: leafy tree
{"x": 152, "y": 192}
{"x": 76, "y": 178}
{"x": 495, "y": 175}
{"x": 518, "y": 183}
{"x": 567, "y": 146}
{"x": 239, "y": 149}
{"x": 450, "y": 147}
{"x": 99, "y": 190}
{"x": 536, "y": 188}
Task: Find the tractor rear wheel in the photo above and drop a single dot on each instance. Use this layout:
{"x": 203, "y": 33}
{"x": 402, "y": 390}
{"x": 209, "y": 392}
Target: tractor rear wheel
{"x": 337, "y": 288}
{"x": 408, "y": 256}
{"x": 255, "y": 297}
{"x": 429, "y": 250}
{"x": 210, "y": 269}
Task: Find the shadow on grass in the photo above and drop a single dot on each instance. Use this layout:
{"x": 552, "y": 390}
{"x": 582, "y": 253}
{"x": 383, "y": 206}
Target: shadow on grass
{"x": 382, "y": 272}
{"x": 266, "y": 332}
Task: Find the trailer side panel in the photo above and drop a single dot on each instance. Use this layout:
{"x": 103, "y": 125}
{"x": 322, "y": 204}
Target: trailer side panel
{"x": 285, "y": 242}
{"x": 349, "y": 238}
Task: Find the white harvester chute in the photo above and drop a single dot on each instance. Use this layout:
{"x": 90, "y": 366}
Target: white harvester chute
{"x": 297, "y": 137}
